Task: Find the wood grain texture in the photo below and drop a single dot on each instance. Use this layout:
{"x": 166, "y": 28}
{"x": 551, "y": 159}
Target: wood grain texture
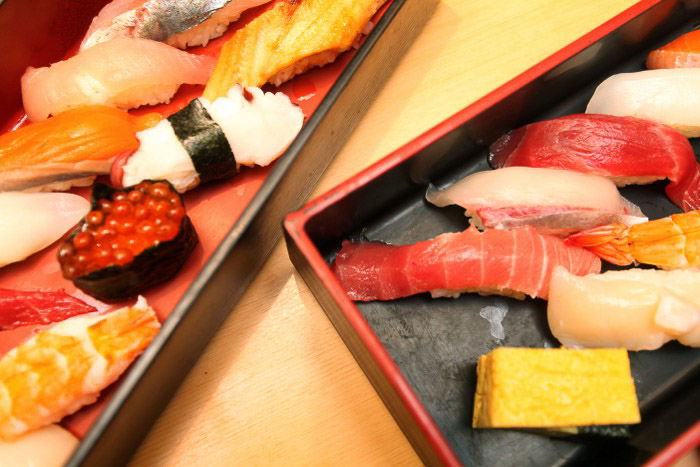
{"x": 277, "y": 386}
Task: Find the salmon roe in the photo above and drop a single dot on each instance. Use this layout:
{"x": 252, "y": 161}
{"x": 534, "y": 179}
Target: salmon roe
{"x": 122, "y": 227}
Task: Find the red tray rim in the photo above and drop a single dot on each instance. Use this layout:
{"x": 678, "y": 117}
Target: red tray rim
{"x": 295, "y": 226}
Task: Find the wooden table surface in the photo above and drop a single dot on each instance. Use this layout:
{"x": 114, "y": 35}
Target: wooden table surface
{"x": 277, "y": 385}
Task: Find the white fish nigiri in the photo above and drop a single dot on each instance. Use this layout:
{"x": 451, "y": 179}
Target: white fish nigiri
{"x": 247, "y": 127}
{"x": 30, "y": 222}
{"x": 667, "y": 96}
{"x": 552, "y": 201}
{"x": 124, "y": 73}
{"x": 50, "y": 446}
{"x": 638, "y": 309}
{"x": 181, "y": 23}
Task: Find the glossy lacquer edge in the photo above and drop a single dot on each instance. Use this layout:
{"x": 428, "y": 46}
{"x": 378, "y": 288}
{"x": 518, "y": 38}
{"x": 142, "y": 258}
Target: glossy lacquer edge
{"x": 325, "y": 285}
{"x": 156, "y": 375}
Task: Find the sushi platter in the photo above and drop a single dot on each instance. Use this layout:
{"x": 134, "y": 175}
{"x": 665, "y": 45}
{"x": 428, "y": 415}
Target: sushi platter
{"x": 236, "y": 221}
{"x": 420, "y": 353}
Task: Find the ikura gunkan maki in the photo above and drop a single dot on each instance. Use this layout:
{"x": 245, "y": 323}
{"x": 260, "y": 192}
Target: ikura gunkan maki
{"x": 132, "y": 239}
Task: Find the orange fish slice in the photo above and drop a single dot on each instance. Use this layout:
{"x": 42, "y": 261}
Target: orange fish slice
{"x": 68, "y": 149}
{"x": 684, "y": 52}
{"x": 289, "y": 39}
{"x": 65, "y": 367}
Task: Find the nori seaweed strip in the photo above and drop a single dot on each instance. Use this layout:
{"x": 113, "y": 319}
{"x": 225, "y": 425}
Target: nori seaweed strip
{"x": 204, "y": 141}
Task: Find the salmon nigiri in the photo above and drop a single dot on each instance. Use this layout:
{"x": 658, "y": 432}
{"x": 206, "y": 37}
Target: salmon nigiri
{"x": 69, "y": 149}
{"x": 124, "y": 73}
{"x": 65, "y": 367}
{"x": 515, "y": 262}
{"x": 684, "y": 52}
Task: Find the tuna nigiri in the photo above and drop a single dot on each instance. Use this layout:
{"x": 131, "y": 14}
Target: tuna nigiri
{"x": 625, "y": 149}
{"x": 181, "y": 23}
{"x": 123, "y": 73}
{"x": 560, "y": 202}
{"x": 638, "y": 309}
{"x": 65, "y": 367}
{"x": 289, "y": 39}
{"x": 30, "y": 222}
{"x": 683, "y": 52}
{"x": 210, "y": 140}
{"x": 515, "y": 262}
{"x": 23, "y": 308}
{"x": 69, "y": 149}
{"x": 666, "y": 96}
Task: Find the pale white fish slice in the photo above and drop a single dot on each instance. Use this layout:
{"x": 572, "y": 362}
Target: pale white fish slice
{"x": 50, "y": 446}
{"x": 30, "y": 222}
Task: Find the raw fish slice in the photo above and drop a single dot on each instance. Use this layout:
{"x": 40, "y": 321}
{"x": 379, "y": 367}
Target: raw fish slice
{"x": 638, "y": 309}
{"x": 667, "y": 96}
{"x": 68, "y": 149}
{"x": 30, "y": 222}
{"x": 65, "y": 367}
{"x": 625, "y": 149}
{"x": 19, "y": 308}
{"x": 180, "y": 23}
{"x": 683, "y": 52}
{"x": 123, "y": 73}
{"x": 560, "y": 202}
{"x": 516, "y": 262}
{"x": 50, "y": 446}
{"x": 289, "y": 39}
{"x": 245, "y": 127}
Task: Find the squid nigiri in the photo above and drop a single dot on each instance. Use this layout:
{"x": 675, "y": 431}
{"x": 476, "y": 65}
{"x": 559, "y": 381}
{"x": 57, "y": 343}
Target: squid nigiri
{"x": 181, "y": 23}
{"x": 627, "y": 150}
{"x": 209, "y": 140}
{"x": 638, "y": 309}
{"x": 69, "y": 149}
{"x": 289, "y": 39}
{"x": 558, "y": 203}
{"x": 30, "y": 222}
{"x": 65, "y": 367}
{"x": 665, "y": 96}
{"x": 683, "y": 52}
{"x": 516, "y": 262}
{"x": 124, "y": 73}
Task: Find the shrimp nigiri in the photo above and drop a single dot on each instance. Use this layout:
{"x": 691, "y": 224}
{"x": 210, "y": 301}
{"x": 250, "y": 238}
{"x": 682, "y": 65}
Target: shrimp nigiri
{"x": 514, "y": 262}
{"x": 560, "y": 202}
{"x": 69, "y": 149}
{"x": 65, "y": 367}
{"x": 124, "y": 73}
{"x": 638, "y": 309}
{"x": 683, "y": 52}
{"x": 672, "y": 242}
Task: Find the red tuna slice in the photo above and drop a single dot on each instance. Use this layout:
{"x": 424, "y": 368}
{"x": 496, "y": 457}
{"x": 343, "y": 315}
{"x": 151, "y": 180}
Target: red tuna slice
{"x": 515, "y": 262}
{"x": 19, "y": 308}
{"x": 626, "y": 149}
{"x": 683, "y": 52}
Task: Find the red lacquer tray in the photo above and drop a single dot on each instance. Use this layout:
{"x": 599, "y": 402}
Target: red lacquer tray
{"x": 237, "y": 220}
{"x": 420, "y": 353}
